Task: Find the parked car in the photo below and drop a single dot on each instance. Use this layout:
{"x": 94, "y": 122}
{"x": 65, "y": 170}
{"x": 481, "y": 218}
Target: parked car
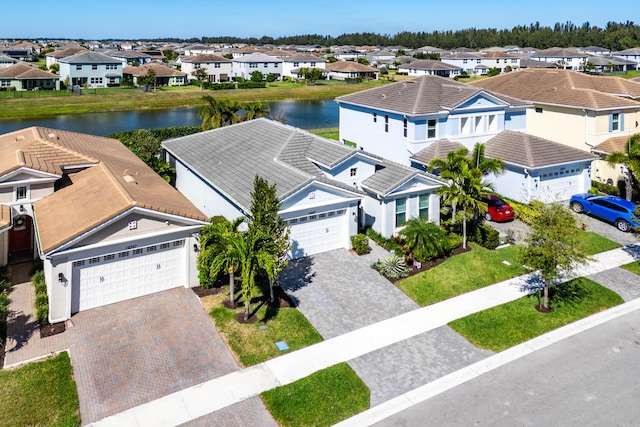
{"x": 497, "y": 209}
{"x": 612, "y": 209}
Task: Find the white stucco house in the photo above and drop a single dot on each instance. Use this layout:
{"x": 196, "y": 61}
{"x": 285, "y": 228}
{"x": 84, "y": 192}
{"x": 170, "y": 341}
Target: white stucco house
{"x": 399, "y": 120}
{"x": 90, "y": 68}
{"x": 328, "y": 191}
{"x": 425, "y": 67}
{"x": 292, "y": 65}
{"x": 106, "y": 227}
{"x": 218, "y": 68}
{"x": 244, "y": 66}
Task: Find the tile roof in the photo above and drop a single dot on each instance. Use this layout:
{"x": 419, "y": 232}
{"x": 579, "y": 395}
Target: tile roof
{"x": 349, "y": 67}
{"x": 558, "y": 52}
{"x": 303, "y": 57}
{"x": 205, "y": 57}
{"x": 430, "y": 64}
{"x": 228, "y": 158}
{"x": 161, "y": 70}
{"x": 530, "y": 151}
{"x": 564, "y": 87}
{"x": 437, "y": 150}
{"x": 23, "y": 71}
{"x": 422, "y": 95}
{"x": 89, "y": 57}
{"x": 63, "y": 53}
{"x": 112, "y": 174}
{"x": 616, "y": 144}
{"x": 257, "y": 57}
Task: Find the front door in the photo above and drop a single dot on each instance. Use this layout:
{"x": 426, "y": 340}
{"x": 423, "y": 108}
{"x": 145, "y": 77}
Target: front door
{"x": 20, "y": 235}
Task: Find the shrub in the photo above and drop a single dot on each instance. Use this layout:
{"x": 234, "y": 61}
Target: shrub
{"x": 606, "y": 188}
{"x": 524, "y": 213}
{"x": 248, "y": 84}
{"x": 454, "y": 240}
{"x": 388, "y": 244}
{"x": 4, "y": 285}
{"x": 392, "y": 267}
{"x": 360, "y": 244}
{"x": 42, "y": 313}
{"x": 4, "y": 308}
{"x": 42, "y": 301}
{"x": 487, "y": 237}
{"x": 222, "y": 86}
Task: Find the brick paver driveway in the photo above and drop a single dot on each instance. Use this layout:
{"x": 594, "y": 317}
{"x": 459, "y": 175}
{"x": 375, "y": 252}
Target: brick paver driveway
{"x": 132, "y": 352}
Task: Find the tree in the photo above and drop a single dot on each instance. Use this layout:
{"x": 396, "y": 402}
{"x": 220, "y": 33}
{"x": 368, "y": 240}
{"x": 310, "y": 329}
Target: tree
{"x": 257, "y": 76}
{"x": 148, "y": 79}
{"x": 218, "y": 113}
{"x": 265, "y": 221}
{"x": 254, "y": 109}
{"x": 147, "y": 146}
{"x": 484, "y": 164}
{"x": 493, "y": 72}
{"x": 425, "y": 239}
{"x": 552, "y": 246}
{"x": 630, "y": 158}
{"x": 201, "y": 75}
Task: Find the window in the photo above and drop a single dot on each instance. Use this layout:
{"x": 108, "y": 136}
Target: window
{"x": 401, "y": 212}
{"x": 94, "y": 66}
{"x": 614, "y": 123}
{"x": 216, "y": 65}
{"x": 266, "y": 65}
{"x": 296, "y": 64}
{"x": 253, "y": 65}
{"x": 386, "y": 123}
{"x": 112, "y": 66}
{"x": 313, "y": 64}
{"x": 375, "y": 117}
{"x": 5, "y": 83}
{"x": 478, "y": 61}
{"x": 21, "y": 193}
{"x": 353, "y": 172}
{"x": 78, "y": 67}
{"x": 404, "y": 127}
{"x": 539, "y": 110}
{"x": 431, "y": 128}
{"x": 96, "y": 80}
{"x": 464, "y": 61}
{"x": 423, "y": 206}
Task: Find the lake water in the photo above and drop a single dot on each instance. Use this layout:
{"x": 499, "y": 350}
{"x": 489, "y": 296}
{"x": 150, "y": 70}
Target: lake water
{"x": 302, "y": 114}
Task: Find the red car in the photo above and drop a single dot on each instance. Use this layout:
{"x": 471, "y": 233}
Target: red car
{"x": 498, "y": 210}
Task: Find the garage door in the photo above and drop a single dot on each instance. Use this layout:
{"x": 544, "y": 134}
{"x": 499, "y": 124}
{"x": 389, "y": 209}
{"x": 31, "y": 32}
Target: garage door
{"x": 560, "y": 185}
{"x": 128, "y": 274}
{"x": 317, "y": 233}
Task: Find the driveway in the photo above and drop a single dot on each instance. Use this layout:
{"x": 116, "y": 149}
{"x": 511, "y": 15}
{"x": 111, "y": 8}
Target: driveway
{"x": 339, "y": 292}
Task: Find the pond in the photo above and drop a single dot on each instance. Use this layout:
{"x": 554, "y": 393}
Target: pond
{"x": 302, "y": 114}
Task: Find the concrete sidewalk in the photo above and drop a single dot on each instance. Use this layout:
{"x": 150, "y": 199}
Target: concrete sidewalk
{"x": 210, "y": 396}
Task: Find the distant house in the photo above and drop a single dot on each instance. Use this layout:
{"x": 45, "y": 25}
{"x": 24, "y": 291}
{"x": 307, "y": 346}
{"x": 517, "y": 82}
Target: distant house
{"x": 424, "y": 67}
{"x": 398, "y": 120}
{"x": 25, "y": 77}
{"x": 165, "y": 76}
{"x": 632, "y": 54}
{"x": 292, "y": 65}
{"x": 244, "y": 66}
{"x": 198, "y": 49}
{"x": 131, "y": 57}
{"x": 91, "y": 69}
{"x": 56, "y": 56}
{"x": 328, "y": 190}
{"x": 218, "y": 68}
{"x": 478, "y": 64}
{"x": 564, "y": 58}
{"x": 7, "y": 61}
{"x": 345, "y": 70}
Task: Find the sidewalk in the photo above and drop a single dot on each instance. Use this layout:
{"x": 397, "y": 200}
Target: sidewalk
{"x": 191, "y": 403}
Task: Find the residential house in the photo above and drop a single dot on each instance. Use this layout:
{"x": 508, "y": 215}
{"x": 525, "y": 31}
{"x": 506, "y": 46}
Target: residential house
{"x": 565, "y": 58}
{"x": 130, "y": 57}
{"x": 573, "y": 108}
{"x": 346, "y": 70}
{"x": 198, "y": 49}
{"x": 106, "y": 227}
{"x": 56, "y": 56}
{"x": 292, "y": 65}
{"x": 398, "y": 120}
{"x": 165, "y": 76}
{"x": 218, "y": 68}
{"x": 328, "y": 191}
{"x": 244, "y": 66}
{"x": 632, "y": 54}
{"x": 595, "y": 50}
{"x": 478, "y": 64}
{"x": 25, "y": 77}
{"x": 425, "y": 67}
{"x": 6, "y": 61}
{"x": 91, "y": 69}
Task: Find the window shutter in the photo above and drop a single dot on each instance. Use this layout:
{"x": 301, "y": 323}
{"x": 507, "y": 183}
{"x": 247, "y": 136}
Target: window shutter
{"x": 621, "y": 120}
{"x": 610, "y": 122}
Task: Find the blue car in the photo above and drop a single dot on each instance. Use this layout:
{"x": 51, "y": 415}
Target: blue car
{"x": 615, "y": 210}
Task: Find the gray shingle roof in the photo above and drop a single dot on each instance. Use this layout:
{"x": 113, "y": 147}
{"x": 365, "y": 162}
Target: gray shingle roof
{"x": 430, "y": 64}
{"x": 422, "y": 95}
{"x": 90, "y": 58}
{"x": 229, "y": 158}
{"x": 531, "y": 151}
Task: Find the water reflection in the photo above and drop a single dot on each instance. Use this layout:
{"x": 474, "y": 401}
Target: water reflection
{"x": 302, "y": 114}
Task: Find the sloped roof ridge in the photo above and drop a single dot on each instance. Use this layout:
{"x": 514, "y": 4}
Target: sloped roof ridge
{"x": 527, "y": 148}
{"x": 66, "y": 149}
{"x": 285, "y": 145}
{"x": 116, "y": 184}
{"x": 20, "y": 158}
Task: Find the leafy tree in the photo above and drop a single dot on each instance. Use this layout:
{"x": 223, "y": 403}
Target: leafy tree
{"x": 630, "y": 158}
{"x": 363, "y": 61}
{"x": 54, "y": 68}
{"x": 201, "y": 75}
{"x": 493, "y": 72}
{"x": 257, "y": 76}
{"x": 144, "y": 144}
{"x": 148, "y": 79}
{"x": 311, "y": 74}
{"x": 552, "y": 246}
{"x": 425, "y": 239}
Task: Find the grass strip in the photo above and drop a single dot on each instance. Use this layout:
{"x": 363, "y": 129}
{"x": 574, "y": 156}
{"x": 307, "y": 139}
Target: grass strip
{"x": 592, "y": 243}
{"x": 463, "y": 273}
{"x": 321, "y": 399}
{"x": 40, "y": 394}
{"x": 510, "y": 324}
{"x": 253, "y": 344}
{"x": 633, "y": 267}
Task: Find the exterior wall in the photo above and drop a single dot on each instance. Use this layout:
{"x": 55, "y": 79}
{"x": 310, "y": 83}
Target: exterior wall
{"x": 120, "y": 229}
{"x": 217, "y": 74}
{"x": 244, "y": 69}
{"x": 342, "y": 172}
{"x": 387, "y": 226}
{"x": 202, "y": 196}
{"x": 86, "y": 73}
{"x": 287, "y": 66}
{"x": 513, "y": 184}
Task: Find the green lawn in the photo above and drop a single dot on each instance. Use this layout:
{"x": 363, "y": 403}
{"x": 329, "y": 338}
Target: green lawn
{"x": 253, "y": 345}
{"x": 592, "y": 243}
{"x": 40, "y": 394}
{"x": 633, "y": 267}
{"x": 507, "y": 325}
{"x": 463, "y": 273}
{"x": 321, "y": 399}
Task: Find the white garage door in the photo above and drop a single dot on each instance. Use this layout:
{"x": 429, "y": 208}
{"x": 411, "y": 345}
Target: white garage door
{"x": 322, "y": 232}
{"x": 124, "y": 275}
{"x": 560, "y": 185}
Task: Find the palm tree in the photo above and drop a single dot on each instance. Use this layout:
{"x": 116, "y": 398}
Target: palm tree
{"x": 255, "y": 109}
{"x": 450, "y": 167}
{"x": 425, "y": 239}
{"x": 218, "y": 113}
{"x": 484, "y": 164}
{"x": 631, "y": 160}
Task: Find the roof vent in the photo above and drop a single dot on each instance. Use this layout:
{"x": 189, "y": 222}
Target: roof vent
{"x": 53, "y": 136}
{"x": 384, "y": 96}
{"x": 19, "y": 138}
{"x": 128, "y": 177}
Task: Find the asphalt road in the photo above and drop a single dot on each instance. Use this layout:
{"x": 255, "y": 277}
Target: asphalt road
{"x": 590, "y": 379}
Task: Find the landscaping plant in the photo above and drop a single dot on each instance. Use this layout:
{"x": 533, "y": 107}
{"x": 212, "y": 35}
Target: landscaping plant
{"x": 360, "y": 244}
{"x": 392, "y": 267}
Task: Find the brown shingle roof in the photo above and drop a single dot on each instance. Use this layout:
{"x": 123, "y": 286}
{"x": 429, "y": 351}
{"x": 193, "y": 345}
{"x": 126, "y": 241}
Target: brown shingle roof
{"x": 437, "y": 150}
{"x": 205, "y": 57}
{"x": 115, "y": 179}
{"x": 564, "y": 87}
{"x": 23, "y": 71}
{"x": 616, "y": 144}
{"x": 160, "y": 70}
{"x": 530, "y": 151}
{"x": 349, "y": 66}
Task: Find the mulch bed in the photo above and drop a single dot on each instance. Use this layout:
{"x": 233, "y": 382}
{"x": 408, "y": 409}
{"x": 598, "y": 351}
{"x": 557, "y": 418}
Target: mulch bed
{"x": 203, "y": 292}
{"x": 413, "y": 270}
{"x": 47, "y": 329}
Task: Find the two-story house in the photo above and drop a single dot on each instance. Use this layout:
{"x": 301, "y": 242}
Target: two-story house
{"x": 244, "y": 66}
{"x": 426, "y": 67}
{"x": 292, "y": 65}
{"x": 91, "y": 69}
{"x": 328, "y": 191}
{"x": 218, "y": 68}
